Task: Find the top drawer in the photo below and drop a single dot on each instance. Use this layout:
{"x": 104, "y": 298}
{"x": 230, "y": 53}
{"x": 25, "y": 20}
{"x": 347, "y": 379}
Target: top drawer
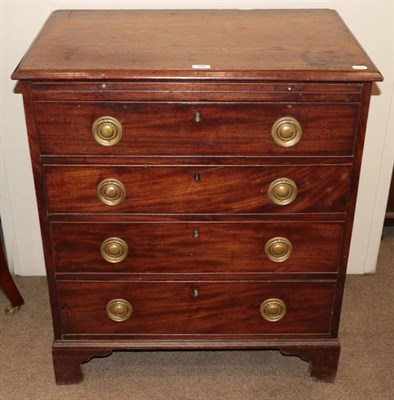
{"x": 196, "y": 128}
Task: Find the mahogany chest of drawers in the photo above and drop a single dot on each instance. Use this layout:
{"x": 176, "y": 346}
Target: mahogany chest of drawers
{"x": 196, "y": 175}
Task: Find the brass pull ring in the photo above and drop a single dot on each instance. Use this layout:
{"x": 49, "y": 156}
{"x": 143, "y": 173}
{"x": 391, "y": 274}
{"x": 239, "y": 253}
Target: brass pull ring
{"x": 286, "y": 131}
{"x": 107, "y": 131}
{"x": 278, "y": 249}
{"x": 282, "y": 191}
{"x": 111, "y": 192}
{"x": 273, "y": 310}
{"x": 119, "y": 310}
{"x": 114, "y": 250}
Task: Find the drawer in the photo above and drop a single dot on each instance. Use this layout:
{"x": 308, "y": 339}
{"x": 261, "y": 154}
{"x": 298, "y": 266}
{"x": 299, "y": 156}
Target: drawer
{"x": 242, "y": 129}
{"x": 196, "y": 247}
{"x": 198, "y": 308}
{"x": 76, "y": 189}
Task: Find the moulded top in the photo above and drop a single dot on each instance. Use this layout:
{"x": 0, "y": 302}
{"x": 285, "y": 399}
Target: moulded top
{"x": 297, "y": 45}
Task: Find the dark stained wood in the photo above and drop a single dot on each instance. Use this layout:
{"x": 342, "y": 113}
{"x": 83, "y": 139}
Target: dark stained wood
{"x": 174, "y": 190}
{"x": 168, "y": 308}
{"x": 40, "y": 196}
{"x": 203, "y": 276}
{"x": 299, "y": 92}
{"x": 131, "y": 218}
{"x": 194, "y": 344}
{"x": 219, "y": 248}
{"x": 303, "y": 45}
{"x": 137, "y": 67}
{"x": 58, "y": 90}
{"x": 351, "y": 205}
{"x": 169, "y": 128}
{"x": 67, "y": 362}
{"x": 389, "y": 219}
{"x": 202, "y": 161}
{"x": 321, "y": 354}
{"x": 7, "y": 284}
{"x": 323, "y": 360}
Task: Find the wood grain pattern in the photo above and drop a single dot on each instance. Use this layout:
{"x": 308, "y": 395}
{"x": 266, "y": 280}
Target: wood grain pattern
{"x": 220, "y": 247}
{"x": 169, "y": 218}
{"x": 58, "y": 89}
{"x": 258, "y": 44}
{"x": 180, "y": 90}
{"x": 34, "y": 146}
{"x": 169, "y": 128}
{"x": 169, "y": 308}
{"x": 323, "y": 360}
{"x": 322, "y": 355}
{"x": 200, "y": 161}
{"x": 351, "y": 206}
{"x": 67, "y": 362}
{"x": 174, "y": 190}
{"x": 137, "y": 67}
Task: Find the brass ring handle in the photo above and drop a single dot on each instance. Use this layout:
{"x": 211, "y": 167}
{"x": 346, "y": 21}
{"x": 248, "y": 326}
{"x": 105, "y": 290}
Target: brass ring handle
{"x": 282, "y": 191}
{"x": 107, "y": 131}
{"x": 278, "y": 249}
{"x": 111, "y": 192}
{"x": 119, "y": 310}
{"x": 273, "y": 310}
{"x": 286, "y": 131}
{"x": 114, "y": 250}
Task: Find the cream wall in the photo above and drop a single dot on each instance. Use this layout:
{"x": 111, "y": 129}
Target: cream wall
{"x": 370, "y": 21}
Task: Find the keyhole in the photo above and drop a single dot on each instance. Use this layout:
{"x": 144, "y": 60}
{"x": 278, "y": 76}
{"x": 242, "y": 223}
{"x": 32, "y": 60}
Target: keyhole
{"x": 197, "y": 177}
{"x": 197, "y": 117}
{"x": 196, "y": 233}
{"x": 195, "y": 292}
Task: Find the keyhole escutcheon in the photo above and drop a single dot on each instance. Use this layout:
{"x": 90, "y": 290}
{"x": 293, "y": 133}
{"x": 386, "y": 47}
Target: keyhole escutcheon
{"x": 197, "y": 116}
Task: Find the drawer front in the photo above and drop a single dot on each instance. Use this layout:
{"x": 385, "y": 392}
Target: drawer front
{"x": 195, "y": 128}
{"x": 197, "y": 189}
{"x": 201, "y": 308}
{"x": 196, "y": 247}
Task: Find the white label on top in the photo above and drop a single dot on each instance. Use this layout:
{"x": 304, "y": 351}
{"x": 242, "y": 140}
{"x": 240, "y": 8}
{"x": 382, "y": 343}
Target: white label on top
{"x": 201, "y": 66}
{"x": 361, "y": 67}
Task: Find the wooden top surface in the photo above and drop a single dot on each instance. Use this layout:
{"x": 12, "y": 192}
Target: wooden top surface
{"x": 257, "y": 44}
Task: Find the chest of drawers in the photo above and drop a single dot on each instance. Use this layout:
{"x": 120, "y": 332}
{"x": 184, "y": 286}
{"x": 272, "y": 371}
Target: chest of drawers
{"x": 196, "y": 175}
